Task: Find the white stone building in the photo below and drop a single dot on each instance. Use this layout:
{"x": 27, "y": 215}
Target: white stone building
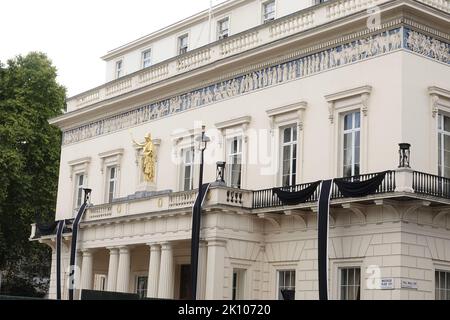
{"x": 290, "y": 92}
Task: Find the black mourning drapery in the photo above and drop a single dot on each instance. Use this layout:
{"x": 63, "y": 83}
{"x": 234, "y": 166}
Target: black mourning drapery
{"x": 360, "y": 188}
{"x": 288, "y": 294}
{"x": 296, "y": 197}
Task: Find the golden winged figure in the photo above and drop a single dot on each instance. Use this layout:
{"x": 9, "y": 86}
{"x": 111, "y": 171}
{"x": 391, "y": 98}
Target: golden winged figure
{"x": 148, "y": 157}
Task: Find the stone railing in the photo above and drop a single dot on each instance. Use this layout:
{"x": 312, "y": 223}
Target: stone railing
{"x": 159, "y": 203}
{"x": 238, "y": 44}
{"x": 154, "y": 74}
{"x": 194, "y": 60}
{"x": 263, "y": 34}
{"x": 97, "y": 212}
{"x": 182, "y": 199}
{"x": 292, "y": 25}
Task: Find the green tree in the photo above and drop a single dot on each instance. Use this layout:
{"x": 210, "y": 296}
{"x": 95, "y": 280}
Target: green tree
{"x": 29, "y": 164}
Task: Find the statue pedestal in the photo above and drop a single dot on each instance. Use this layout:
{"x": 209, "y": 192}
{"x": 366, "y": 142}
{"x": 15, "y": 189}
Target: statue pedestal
{"x": 147, "y": 186}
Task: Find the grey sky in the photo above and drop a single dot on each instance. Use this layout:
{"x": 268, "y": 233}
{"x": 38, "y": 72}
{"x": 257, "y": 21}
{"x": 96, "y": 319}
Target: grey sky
{"x": 75, "y": 33}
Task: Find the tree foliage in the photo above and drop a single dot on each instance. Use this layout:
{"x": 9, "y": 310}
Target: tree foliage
{"x": 29, "y": 164}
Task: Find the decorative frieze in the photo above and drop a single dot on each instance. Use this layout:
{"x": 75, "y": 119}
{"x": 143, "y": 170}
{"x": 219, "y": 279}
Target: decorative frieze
{"x": 336, "y": 56}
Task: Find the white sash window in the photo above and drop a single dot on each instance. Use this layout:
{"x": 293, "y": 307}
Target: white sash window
{"x": 289, "y": 155}
{"x": 234, "y": 162}
{"x": 351, "y": 144}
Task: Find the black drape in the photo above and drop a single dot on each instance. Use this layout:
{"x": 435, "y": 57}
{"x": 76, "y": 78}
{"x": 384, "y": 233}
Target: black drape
{"x": 323, "y": 216}
{"x": 359, "y": 188}
{"x": 296, "y": 197}
{"x": 59, "y": 233}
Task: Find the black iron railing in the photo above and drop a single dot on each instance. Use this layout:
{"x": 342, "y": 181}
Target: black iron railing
{"x": 430, "y": 184}
{"x": 388, "y": 184}
{"x": 266, "y": 198}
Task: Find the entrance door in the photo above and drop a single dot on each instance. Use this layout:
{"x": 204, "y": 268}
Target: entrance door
{"x": 185, "y": 282}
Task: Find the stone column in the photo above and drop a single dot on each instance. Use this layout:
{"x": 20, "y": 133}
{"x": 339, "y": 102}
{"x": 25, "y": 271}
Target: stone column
{"x": 215, "y": 269}
{"x": 86, "y": 270}
{"x": 112, "y": 268}
{"x": 153, "y": 270}
{"x": 166, "y": 272}
{"x": 202, "y": 265}
{"x": 123, "y": 274}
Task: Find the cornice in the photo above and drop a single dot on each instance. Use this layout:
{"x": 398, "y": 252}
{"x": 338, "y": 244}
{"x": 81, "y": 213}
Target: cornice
{"x": 233, "y": 122}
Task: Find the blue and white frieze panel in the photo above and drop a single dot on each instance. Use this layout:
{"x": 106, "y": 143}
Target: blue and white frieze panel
{"x": 350, "y": 52}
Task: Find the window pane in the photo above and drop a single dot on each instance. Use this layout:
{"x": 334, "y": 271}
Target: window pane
{"x": 348, "y": 121}
{"x": 287, "y": 135}
{"x": 446, "y": 123}
{"x": 357, "y": 119}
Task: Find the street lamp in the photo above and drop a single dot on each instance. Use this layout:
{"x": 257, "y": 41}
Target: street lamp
{"x": 196, "y": 216}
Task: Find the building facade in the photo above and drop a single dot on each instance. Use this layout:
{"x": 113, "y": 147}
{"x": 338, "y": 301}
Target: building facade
{"x": 290, "y": 92}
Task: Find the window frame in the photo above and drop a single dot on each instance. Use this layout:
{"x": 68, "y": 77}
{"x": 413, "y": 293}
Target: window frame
{"x": 352, "y": 131}
{"x": 110, "y": 159}
{"x": 79, "y": 188}
{"x": 279, "y": 296}
{"x": 238, "y": 288}
{"x": 143, "y": 59}
{"x": 219, "y": 32}
{"x": 179, "y": 43}
{"x": 118, "y": 72}
{"x": 293, "y": 160}
{"x": 136, "y": 284}
{"x": 339, "y": 277}
{"x": 230, "y": 155}
{"x": 108, "y": 183}
{"x": 264, "y": 5}
{"x": 185, "y": 164}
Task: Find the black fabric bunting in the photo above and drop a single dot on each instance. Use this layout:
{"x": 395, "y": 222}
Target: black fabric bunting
{"x": 360, "y": 188}
{"x": 73, "y": 247}
{"x": 296, "y": 197}
{"x": 59, "y": 232}
{"x": 322, "y": 237}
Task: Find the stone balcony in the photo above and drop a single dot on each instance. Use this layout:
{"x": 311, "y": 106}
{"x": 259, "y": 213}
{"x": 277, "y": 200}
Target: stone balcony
{"x": 280, "y": 28}
{"x": 401, "y": 187}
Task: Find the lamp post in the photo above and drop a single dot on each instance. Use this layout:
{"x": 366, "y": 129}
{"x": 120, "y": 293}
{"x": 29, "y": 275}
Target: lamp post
{"x": 196, "y": 216}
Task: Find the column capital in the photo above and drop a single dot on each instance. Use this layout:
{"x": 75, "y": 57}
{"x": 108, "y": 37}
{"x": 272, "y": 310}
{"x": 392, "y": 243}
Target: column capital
{"x": 113, "y": 250}
{"x": 167, "y": 245}
{"x": 218, "y": 242}
{"x": 124, "y": 249}
{"x": 154, "y": 246}
{"x": 86, "y": 252}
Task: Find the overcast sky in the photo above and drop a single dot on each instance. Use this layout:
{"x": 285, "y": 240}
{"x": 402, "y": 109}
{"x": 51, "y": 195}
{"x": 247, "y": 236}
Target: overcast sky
{"x": 75, "y": 33}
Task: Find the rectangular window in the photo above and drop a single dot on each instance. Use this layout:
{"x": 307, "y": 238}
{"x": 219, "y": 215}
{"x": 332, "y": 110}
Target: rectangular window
{"x": 111, "y": 183}
{"x": 183, "y": 44}
{"x": 351, "y": 144}
{"x": 238, "y": 284}
{"x": 141, "y": 286}
{"x": 119, "y": 67}
{"x": 188, "y": 169}
{"x": 80, "y": 184}
{"x": 350, "y": 283}
{"x": 442, "y": 285}
{"x": 222, "y": 28}
{"x": 289, "y": 155}
{"x": 286, "y": 285}
{"x": 234, "y": 160}
{"x": 268, "y": 11}
{"x": 146, "y": 58}
{"x": 443, "y": 146}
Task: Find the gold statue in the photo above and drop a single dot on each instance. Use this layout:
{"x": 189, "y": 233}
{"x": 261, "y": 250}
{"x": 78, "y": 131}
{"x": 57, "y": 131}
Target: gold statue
{"x": 148, "y": 159}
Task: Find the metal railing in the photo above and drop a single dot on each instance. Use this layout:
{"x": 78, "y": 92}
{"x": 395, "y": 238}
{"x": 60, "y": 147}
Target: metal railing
{"x": 266, "y": 198}
{"x": 430, "y": 184}
{"x": 387, "y": 185}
